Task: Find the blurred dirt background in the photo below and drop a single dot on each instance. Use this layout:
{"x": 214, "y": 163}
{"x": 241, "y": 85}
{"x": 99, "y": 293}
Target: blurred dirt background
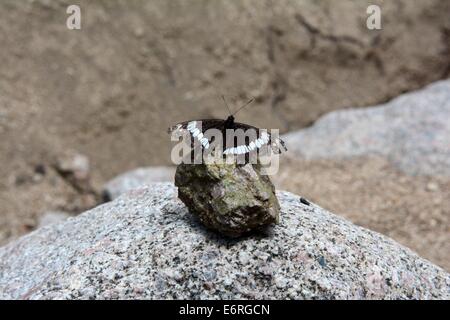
{"x": 107, "y": 93}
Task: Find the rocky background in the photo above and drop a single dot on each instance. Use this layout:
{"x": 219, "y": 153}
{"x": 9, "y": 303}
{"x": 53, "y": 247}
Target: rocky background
{"x": 78, "y": 108}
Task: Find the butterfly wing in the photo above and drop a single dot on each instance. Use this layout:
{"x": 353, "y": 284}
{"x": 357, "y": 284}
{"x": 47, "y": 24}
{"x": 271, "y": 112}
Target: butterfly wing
{"x": 264, "y": 138}
{"x": 197, "y": 129}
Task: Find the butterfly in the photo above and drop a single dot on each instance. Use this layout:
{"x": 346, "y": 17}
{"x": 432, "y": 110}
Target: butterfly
{"x": 262, "y": 138}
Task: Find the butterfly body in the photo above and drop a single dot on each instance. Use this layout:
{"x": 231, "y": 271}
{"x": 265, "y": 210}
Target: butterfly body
{"x": 229, "y": 123}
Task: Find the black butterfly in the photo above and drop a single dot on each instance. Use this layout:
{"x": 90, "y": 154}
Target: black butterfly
{"x": 197, "y": 129}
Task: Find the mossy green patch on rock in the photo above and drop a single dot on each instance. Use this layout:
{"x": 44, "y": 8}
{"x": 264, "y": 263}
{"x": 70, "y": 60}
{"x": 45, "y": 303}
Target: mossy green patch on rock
{"x": 232, "y": 199}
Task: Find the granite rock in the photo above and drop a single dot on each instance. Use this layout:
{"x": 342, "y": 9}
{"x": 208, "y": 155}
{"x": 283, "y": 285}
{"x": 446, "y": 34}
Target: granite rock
{"x": 229, "y": 198}
{"x": 412, "y": 131}
{"x": 146, "y": 245}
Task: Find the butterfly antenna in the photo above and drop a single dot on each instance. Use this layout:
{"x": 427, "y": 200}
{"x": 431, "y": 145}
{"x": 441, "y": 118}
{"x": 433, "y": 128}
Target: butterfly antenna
{"x": 248, "y": 102}
{"x": 225, "y": 101}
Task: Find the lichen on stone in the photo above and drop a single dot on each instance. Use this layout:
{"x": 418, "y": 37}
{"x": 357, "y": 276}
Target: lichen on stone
{"x": 233, "y": 199}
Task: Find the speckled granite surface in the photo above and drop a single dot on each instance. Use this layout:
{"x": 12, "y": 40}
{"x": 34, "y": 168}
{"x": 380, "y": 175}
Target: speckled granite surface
{"x": 412, "y": 131}
{"x": 146, "y": 245}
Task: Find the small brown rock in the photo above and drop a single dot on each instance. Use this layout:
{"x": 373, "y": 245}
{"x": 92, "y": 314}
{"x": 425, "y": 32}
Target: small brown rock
{"x": 232, "y": 199}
